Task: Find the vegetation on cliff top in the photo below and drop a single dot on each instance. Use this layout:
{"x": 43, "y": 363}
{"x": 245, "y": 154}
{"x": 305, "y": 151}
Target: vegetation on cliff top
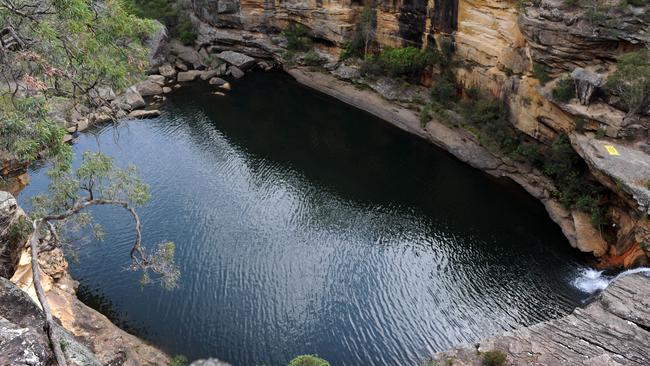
{"x": 631, "y": 81}
{"x": 168, "y": 12}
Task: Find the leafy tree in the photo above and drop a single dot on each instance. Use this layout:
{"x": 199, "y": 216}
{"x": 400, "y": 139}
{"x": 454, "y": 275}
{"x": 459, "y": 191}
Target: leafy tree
{"x": 364, "y": 34}
{"x": 96, "y": 182}
{"x": 61, "y": 49}
{"x": 52, "y": 50}
{"x": 298, "y": 38}
{"x": 367, "y": 28}
{"x": 163, "y": 10}
{"x": 564, "y": 90}
{"x": 631, "y": 81}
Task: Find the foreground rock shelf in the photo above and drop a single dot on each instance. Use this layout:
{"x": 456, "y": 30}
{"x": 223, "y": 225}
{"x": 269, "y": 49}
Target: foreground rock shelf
{"x": 612, "y": 330}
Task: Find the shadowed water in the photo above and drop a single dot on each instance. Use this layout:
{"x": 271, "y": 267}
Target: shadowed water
{"x": 303, "y": 225}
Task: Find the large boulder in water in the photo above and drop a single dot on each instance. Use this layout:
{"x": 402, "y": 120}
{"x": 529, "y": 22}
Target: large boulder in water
{"x": 148, "y": 88}
{"x": 133, "y": 98}
{"x": 237, "y": 59}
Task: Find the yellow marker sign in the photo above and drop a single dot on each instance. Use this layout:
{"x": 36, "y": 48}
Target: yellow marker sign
{"x": 611, "y": 150}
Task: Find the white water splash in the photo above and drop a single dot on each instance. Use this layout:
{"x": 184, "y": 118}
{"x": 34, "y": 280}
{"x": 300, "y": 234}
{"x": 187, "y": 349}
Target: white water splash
{"x": 590, "y": 280}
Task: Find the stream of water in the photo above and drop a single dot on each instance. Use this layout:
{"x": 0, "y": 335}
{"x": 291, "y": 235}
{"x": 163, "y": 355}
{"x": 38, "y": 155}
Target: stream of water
{"x": 303, "y": 225}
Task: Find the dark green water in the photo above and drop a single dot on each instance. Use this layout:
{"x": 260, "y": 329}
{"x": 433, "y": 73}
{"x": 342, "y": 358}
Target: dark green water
{"x": 303, "y": 225}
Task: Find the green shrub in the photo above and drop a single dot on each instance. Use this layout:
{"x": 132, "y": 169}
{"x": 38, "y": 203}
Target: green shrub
{"x": 489, "y": 117}
{"x": 444, "y": 91}
{"x": 312, "y": 58}
{"x": 580, "y": 125}
{"x": 19, "y": 231}
{"x": 564, "y": 90}
{"x": 178, "y": 360}
{"x": 473, "y": 93}
{"x": 298, "y": 38}
{"x": 567, "y": 170}
{"x": 400, "y": 62}
{"x": 540, "y": 72}
{"x": 631, "y": 81}
{"x": 168, "y": 13}
{"x": 363, "y": 39}
{"x": 530, "y": 153}
{"x": 162, "y": 10}
{"x": 425, "y": 115}
{"x": 494, "y": 358}
{"x": 308, "y": 360}
{"x": 186, "y": 32}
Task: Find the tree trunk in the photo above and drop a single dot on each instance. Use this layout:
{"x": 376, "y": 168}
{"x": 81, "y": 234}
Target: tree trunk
{"x": 40, "y": 293}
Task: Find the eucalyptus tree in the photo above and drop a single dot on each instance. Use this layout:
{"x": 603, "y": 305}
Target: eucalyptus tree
{"x": 53, "y": 50}
{"x": 97, "y": 182}
{"x": 61, "y": 49}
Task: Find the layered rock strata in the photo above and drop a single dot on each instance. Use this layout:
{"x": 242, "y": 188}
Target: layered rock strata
{"x": 612, "y": 330}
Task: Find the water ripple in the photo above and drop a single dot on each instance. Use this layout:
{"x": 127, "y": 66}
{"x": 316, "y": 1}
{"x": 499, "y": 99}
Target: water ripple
{"x": 311, "y": 227}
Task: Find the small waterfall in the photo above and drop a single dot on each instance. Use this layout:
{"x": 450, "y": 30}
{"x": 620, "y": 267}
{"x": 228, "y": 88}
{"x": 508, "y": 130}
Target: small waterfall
{"x": 590, "y": 280}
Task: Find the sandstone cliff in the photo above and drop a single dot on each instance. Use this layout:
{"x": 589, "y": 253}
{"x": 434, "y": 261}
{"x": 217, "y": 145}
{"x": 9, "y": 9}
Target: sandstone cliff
{"x": 497, "y": 46}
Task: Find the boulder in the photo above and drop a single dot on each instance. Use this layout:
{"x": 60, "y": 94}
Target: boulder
{"x": 187, "y": 54}
{"x": 237, "y": 59}
{"x": 167, "y": 89}
{"x": 133, "y": 98}
{"x": 22, "y": 338}
{"x": 101, "y": 93}
{"x": 167, "y": 70}
{"x": 185, "y": 76}
{"x": 217, "y": 81}
{"x": 148, "y": 88}
{"x": 120, "y": 114}
{"x": 100, "y": 117}
{"x": 265, "y": 65}
{"x": 235, "y": 72}
{"x": 139, "y": 114}
{"x": 588, "y": 238}
{"x": 222, "y": 69}
{"x": 218, "y": 93}
{"x": 346, "y": 72}
{"x": 180, "y": 65}
{"x": 587, "y": 82}
{"x": 208, "y": 74}
{"x": 119, "y": 105}
{"x": 158, "y": 79}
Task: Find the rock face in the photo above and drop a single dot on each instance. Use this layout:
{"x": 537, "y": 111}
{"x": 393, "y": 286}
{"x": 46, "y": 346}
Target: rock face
{"x": 90, "y": 338}
{"x": 587, "y": 82}
{"x": 499, "y": 47}
{"x": 22, "y": 338}
{"x": 612, "y": 330}
{"x": 10, "y": 214}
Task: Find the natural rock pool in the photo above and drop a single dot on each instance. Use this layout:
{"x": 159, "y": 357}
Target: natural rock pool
{"x": 303, "y": 225}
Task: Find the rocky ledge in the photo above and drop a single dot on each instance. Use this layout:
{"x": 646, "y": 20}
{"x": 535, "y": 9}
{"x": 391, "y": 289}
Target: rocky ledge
{"x": 612, "y": 330}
